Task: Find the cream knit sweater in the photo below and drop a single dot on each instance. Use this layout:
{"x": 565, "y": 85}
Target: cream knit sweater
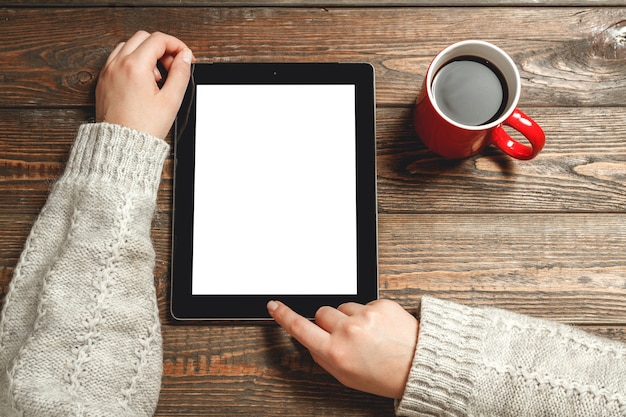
{"x": 80, "y": 332}
{"x": 485, "y": 362}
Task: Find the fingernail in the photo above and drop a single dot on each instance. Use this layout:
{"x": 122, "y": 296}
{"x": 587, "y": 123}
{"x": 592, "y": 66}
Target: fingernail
{"x": 272, "y": 306}
{"x": 187, "y": 56}
{"x": 157, "y": 74}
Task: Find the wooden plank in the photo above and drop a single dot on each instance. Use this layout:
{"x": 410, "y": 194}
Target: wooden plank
{"x": 245, "y": 369}
{"x": 577, "y": 62}
{"x": 251, "y": 369}
{"x": 570, "y": 267}
{"x": 581, "y": 169}
{"x": 615, "y": 333}
{"x": 308, "y": 3}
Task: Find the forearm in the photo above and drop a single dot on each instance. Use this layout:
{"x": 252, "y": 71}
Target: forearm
{"x": 93, "y": 340}
{"x": 473, "y": 361}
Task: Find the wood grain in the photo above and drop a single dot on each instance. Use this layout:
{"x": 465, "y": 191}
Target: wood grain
{"x": 582, "y": 168}
{"x": 545, "y": 237}
{"x": 244, "y": 368}
{"x": 231, "y": 370}
{"x": 309, "y": 3}
{"x": 578, "y": 61}
{"x": 565, "y": 267}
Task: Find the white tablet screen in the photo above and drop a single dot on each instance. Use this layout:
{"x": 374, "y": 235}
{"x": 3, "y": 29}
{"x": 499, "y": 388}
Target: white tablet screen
{"x": 275, "y": 190}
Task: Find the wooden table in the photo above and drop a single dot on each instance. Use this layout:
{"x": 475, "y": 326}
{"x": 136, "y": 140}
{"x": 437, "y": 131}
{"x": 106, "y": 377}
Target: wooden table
{"x": 545, "y": 237}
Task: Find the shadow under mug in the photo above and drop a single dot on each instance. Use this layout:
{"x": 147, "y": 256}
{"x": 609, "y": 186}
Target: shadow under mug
{"x": 452, "y": 139}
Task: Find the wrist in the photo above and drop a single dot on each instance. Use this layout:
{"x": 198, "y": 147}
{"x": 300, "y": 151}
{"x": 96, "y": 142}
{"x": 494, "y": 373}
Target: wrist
{"x": 117, "y": 154}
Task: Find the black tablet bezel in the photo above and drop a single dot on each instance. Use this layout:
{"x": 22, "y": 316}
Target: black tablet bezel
{"x": 185, "y": 305}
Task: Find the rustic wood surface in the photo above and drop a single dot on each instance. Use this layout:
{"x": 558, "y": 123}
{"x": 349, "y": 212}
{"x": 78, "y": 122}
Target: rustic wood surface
{"x": 545, "y": 237}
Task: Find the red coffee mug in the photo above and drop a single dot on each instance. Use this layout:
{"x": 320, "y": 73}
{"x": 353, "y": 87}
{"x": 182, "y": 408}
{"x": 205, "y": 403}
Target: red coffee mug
{"x": 451, "y": 138}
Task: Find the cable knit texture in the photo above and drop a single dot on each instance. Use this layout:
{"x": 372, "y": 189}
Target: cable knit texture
{"x": 80, "y": 332}
{"x": 486, "y": 362}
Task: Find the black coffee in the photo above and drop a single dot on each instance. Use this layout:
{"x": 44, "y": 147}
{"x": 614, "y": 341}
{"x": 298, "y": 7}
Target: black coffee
{"x": 470, "y": 91}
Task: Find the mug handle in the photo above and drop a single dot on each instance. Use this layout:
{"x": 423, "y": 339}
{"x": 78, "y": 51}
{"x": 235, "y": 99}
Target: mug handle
{"x": 527, "y": 127}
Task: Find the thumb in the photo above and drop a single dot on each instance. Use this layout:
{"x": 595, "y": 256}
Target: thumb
{"x": 178, "y": 76}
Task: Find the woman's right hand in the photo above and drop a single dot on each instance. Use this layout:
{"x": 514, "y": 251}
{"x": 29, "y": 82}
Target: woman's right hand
{"x": 366, "y": 347}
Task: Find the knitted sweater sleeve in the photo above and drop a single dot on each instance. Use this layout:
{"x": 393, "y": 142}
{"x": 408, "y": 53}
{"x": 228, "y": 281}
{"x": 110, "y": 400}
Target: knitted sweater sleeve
{"x": 80, "y": 332}
{"x": 489, "y": 362}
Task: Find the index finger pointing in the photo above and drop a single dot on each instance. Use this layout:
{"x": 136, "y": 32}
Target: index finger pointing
{"x": 309, "y": 334}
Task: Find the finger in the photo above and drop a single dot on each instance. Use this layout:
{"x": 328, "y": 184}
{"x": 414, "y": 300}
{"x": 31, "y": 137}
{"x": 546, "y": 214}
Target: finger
{"x": 157, "y": 45}
{"x": 167, "y": 61}
{"x": 114, "y": 53}
{"x": 328, "y": 317}
{"x": 134, "y": 42}
{"x": 350, "y": 309}
{"x": 157, "y": 74}
{"x": 306, "y": 332}
{"x": 126, "y": 48}
{"x": 163, "y": 67}
{"x": 178, "y": 75}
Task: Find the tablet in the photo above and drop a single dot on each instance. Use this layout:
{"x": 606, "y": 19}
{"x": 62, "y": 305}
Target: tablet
{"x": 274, "y": 190}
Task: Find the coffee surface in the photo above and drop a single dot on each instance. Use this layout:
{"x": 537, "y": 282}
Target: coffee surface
{"x": 470, "y": 91}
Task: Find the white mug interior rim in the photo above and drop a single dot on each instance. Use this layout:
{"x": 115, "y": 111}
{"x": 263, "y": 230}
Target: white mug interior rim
{"x": 492, "y": 54}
